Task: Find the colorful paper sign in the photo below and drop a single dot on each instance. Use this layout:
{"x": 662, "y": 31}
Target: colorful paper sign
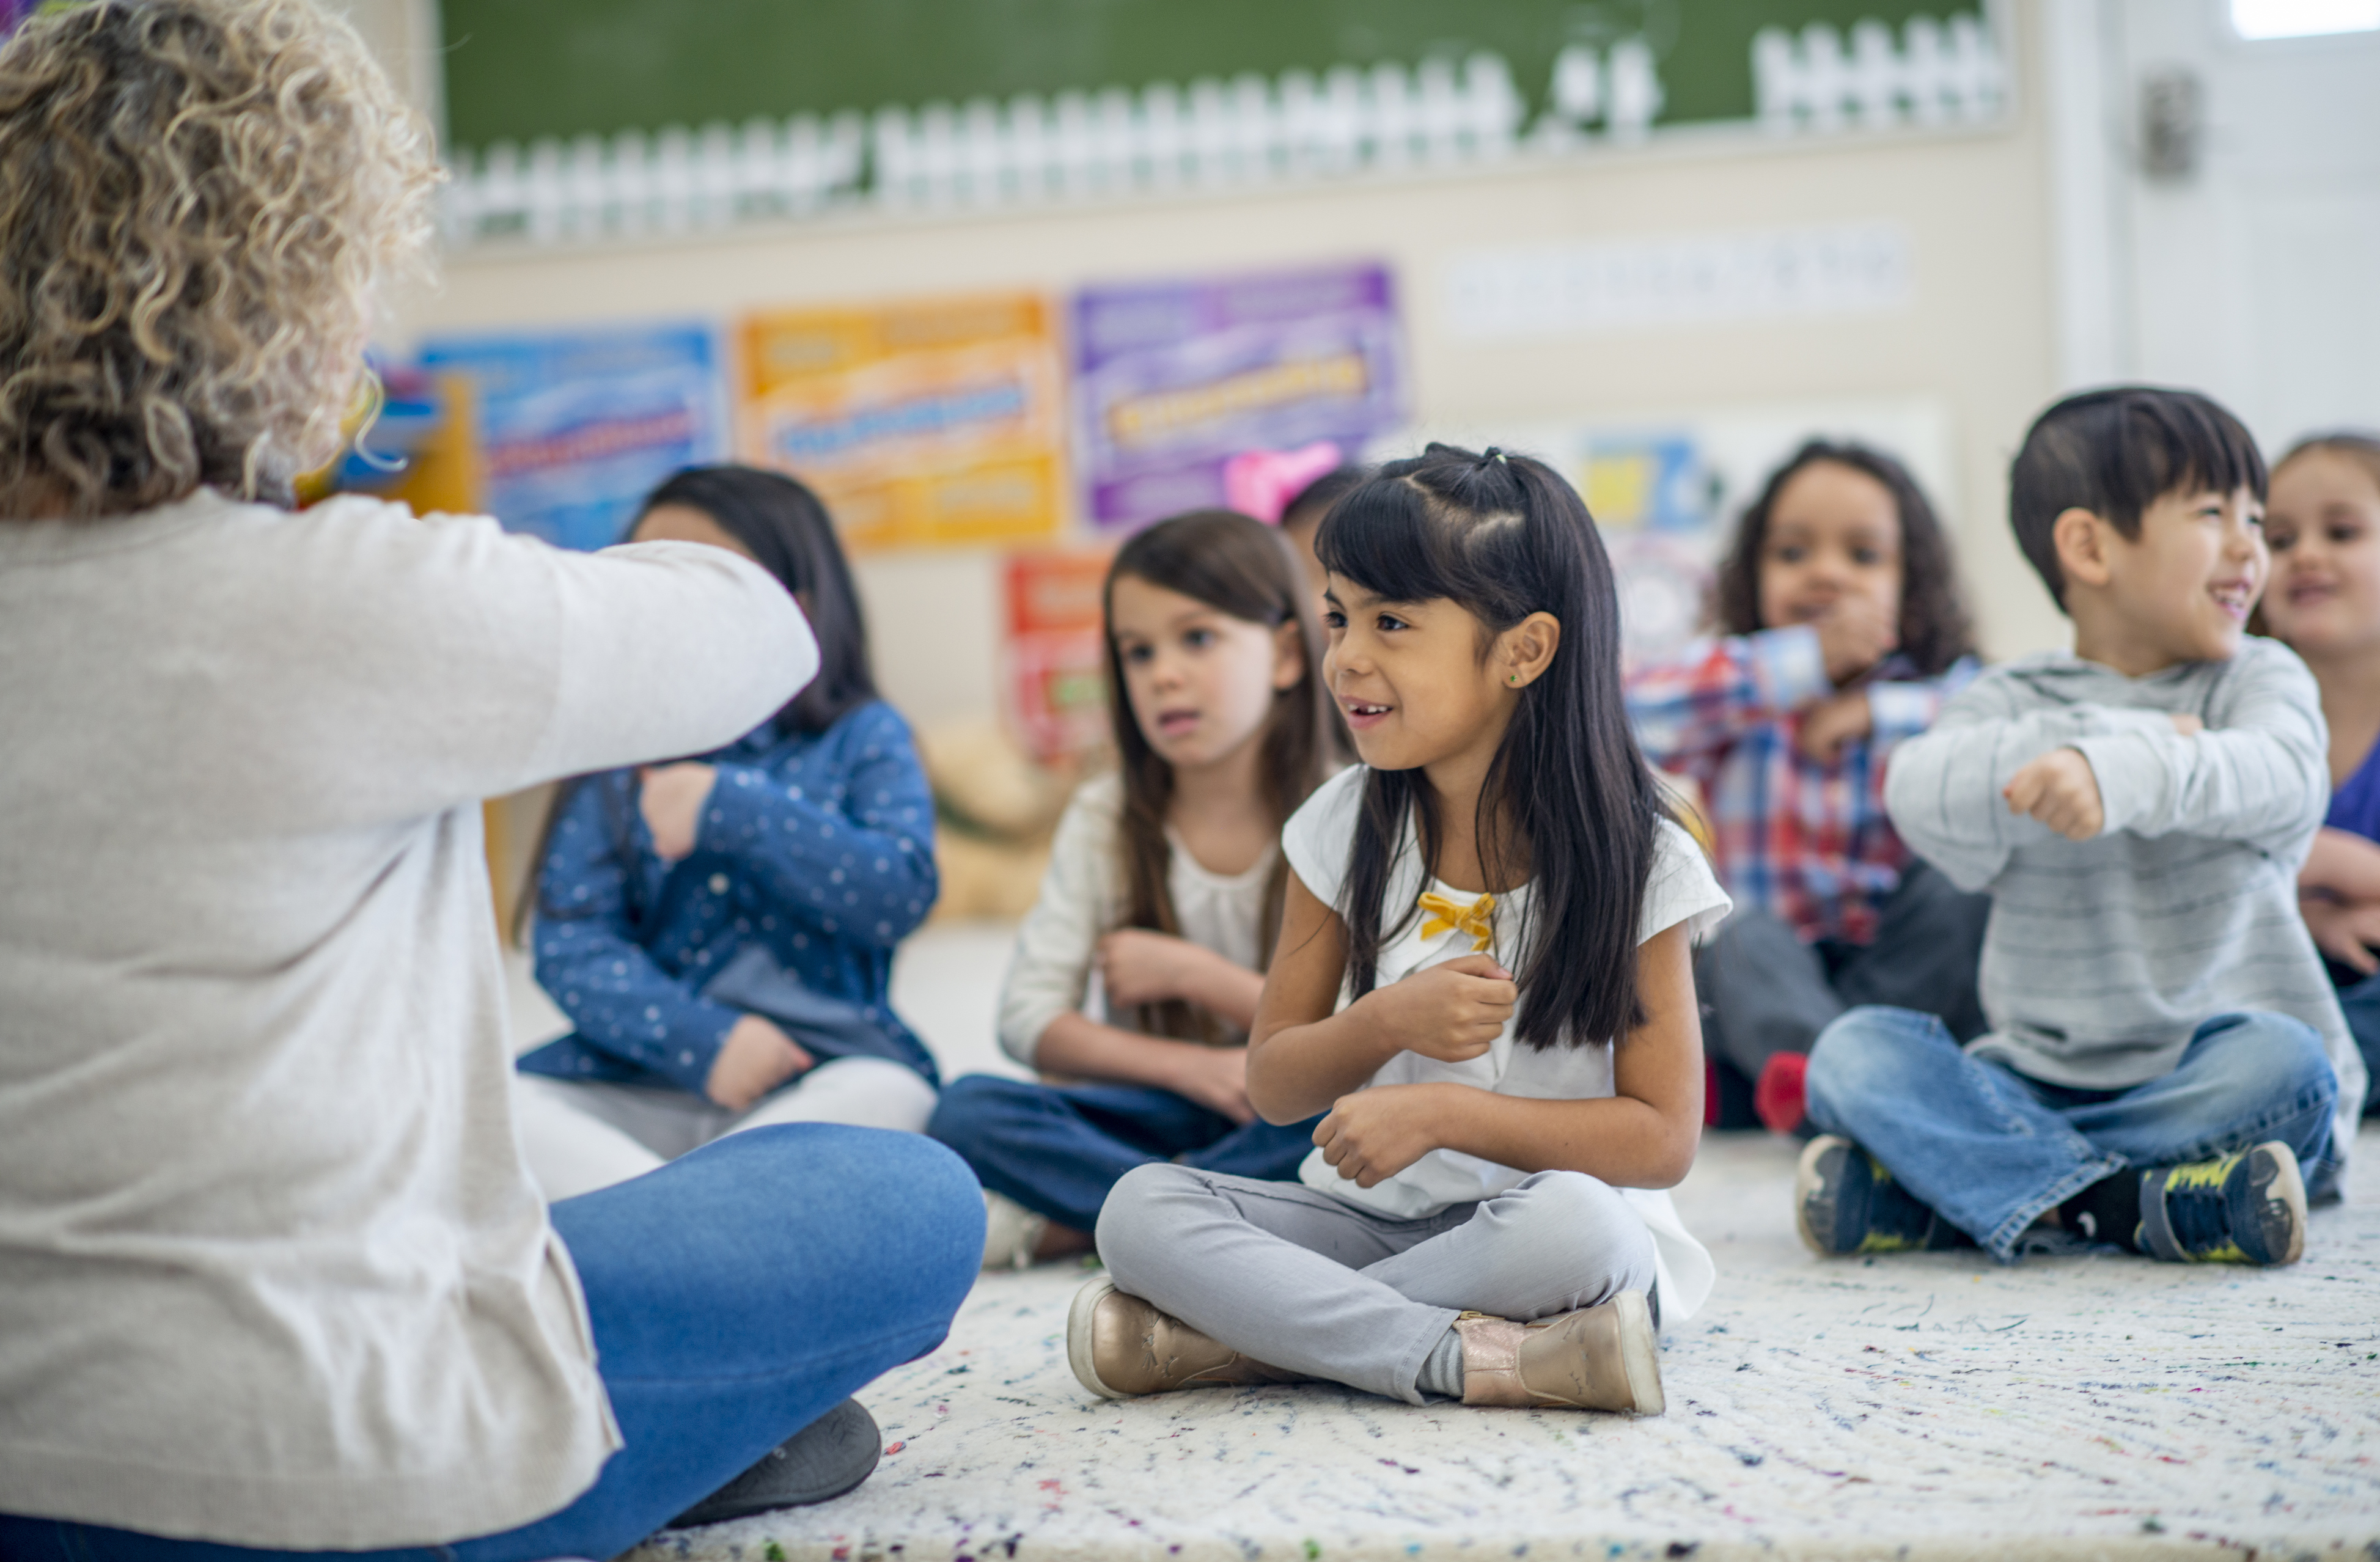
{"x": 938, "y": 422}
{"x": 1057, "y": 651}
{"x": 575, "y": 428}
{"x": 1174, "y": 379}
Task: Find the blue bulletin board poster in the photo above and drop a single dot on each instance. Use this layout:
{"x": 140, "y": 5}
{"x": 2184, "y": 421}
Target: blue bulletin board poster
{"x": 576, "y": 426}
{"x": 1175, "y": 378}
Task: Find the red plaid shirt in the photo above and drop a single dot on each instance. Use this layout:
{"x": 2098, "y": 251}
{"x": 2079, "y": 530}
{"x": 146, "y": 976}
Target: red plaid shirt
{"x": 1809, "y": 842}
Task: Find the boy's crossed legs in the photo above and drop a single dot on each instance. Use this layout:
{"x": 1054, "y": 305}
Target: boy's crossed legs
{"x": 1991, "y": 1150}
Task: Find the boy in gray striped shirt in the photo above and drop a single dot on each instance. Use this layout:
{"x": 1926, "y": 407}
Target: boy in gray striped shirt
{"x": 2167, "y": 1066}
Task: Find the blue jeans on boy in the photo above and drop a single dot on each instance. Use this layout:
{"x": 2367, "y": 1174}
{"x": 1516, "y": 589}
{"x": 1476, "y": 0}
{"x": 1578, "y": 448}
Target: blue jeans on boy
{"x": 1990, "y": 1149}
{"x": 1058, "y": 1149}
{"x": 737, "y": 1293}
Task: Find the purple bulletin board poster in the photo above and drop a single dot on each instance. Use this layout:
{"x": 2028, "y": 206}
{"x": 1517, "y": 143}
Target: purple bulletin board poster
{"x": 1174, "y": 379}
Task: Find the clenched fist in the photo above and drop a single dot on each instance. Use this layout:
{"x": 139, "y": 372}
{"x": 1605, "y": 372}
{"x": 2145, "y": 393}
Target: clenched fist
{"x": 1452, "y": 1012}
{"x": 2059, "y": 790}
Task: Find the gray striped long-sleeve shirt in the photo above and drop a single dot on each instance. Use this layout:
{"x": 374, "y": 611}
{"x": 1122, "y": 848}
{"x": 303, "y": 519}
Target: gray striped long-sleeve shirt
{"x": 2103, "y": 956}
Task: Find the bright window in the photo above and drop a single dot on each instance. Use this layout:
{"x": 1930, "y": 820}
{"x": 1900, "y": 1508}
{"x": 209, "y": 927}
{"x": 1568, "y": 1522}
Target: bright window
{"x": 2303, "y": 18}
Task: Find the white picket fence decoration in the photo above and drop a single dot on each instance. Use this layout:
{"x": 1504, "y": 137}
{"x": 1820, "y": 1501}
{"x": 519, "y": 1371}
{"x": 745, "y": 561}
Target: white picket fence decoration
{"x": 1212, "y": 135}
{"x": 1940, "y": 74}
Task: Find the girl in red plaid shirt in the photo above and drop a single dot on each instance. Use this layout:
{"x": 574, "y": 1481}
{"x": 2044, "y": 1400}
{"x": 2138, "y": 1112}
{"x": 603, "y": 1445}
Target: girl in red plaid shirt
{"x": 1845, "y": 631}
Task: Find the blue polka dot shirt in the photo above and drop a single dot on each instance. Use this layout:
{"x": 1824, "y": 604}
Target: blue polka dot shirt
{"x": 819, "y": 845}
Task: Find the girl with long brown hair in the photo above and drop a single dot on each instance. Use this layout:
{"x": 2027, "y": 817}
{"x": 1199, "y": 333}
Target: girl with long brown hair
{"x": 1136, "y": 975}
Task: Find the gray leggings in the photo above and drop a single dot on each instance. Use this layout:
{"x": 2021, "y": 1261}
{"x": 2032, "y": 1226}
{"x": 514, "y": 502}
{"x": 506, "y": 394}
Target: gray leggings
{"x": 1314, "y": 1284}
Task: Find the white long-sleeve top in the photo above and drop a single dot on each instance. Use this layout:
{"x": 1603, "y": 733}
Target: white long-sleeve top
{"x": 1083, "y": 900}
{"x": 2104, "y": 956}
{"x": 271, "y": 1269}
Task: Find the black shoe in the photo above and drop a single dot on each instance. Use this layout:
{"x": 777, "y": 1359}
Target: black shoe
{"x": 1844, "y": 1202}
{"x": 2248, "y": 1208}
{"x": 822, "y": 1461}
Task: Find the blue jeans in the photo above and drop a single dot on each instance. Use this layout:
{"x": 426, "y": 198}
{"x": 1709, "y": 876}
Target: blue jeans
{"x": 737, "y": 1293}
{"x": 1991, "y": 1149}
{"x": 1056, "y": 1150}
{"x": 2359, "y": 1001}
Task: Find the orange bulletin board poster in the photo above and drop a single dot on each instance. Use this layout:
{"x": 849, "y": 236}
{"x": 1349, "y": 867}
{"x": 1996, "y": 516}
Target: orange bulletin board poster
{"x": 935, "y": 423}
{"x": 1057, "y": 656}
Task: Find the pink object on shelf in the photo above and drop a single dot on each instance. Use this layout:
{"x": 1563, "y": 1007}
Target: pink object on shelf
{"x": 1262, "y": 482}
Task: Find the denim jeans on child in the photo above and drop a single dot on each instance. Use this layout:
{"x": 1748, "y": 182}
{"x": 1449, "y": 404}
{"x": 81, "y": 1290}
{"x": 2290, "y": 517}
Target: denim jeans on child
{"x": 2359, "y": 999}
{"x": 1056, "y": 1150}
{"x": 1990, "y": 1149}
{"x": 737, "y": 1294}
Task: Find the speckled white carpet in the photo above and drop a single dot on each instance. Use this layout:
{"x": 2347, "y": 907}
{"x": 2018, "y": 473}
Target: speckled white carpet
{"x": 1921, "y": 1407}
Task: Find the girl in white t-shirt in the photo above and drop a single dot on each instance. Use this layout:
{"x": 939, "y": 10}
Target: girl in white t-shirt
{"x": 1165, "y": 885}
{"x": 1483, "y": 977}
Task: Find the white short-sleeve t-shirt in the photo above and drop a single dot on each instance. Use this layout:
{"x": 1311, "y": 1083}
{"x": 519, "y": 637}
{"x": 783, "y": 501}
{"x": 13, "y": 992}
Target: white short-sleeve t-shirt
{"x": 1318, "y": 841}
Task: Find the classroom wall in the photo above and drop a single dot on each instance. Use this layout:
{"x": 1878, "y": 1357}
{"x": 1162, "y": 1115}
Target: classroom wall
{"x": 1978, "y": 335}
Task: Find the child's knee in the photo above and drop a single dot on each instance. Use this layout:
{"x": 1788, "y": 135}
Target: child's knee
{"x": 2276, "y": 1054}
{"x": 1865, "y": 1052}
{"x": 1137, "y": 1214}
{"x": 1585, "y": 1228}
{"x": 970, "y": 1108}
{"x": 1562, "y": 1209}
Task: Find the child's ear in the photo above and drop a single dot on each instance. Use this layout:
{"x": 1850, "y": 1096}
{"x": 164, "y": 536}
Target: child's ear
{"x": 1525, "y": 651}
{"x": 2082, "y": 538}
{"x": 1288, "y": 656}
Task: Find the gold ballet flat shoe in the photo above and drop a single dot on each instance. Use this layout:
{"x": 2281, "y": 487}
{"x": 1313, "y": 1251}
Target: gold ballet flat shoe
{"x": 1120, "y": 1346}
{"x": 1606, "y": 1358}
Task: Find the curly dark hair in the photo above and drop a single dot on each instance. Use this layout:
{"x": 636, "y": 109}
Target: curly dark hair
{"x": 1934, "y": 627}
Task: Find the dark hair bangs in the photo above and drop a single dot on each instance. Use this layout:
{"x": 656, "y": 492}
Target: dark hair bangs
{"x": 1382, "y": 537}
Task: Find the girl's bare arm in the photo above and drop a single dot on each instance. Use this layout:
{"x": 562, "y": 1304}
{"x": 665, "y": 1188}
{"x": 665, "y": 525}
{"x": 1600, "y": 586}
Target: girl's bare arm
{"x": 1301, "y": 1057}
{"x": 1644, "y": 1136}
{"x": 1215, "y": 1077}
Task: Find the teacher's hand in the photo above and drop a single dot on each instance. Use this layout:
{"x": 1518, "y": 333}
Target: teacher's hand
{"x": 671, "y": 797}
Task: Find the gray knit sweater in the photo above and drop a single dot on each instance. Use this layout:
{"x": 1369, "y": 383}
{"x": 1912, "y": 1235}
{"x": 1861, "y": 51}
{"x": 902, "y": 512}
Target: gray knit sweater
{"x": 2103, "y": 956}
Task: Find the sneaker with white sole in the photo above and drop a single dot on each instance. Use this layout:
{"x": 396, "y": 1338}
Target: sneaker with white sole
{"x": 1011, "y": 1232}
{"x": 2247, "y": 1208}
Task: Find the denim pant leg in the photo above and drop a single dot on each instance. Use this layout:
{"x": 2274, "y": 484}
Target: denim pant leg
{"x": 737, "y": 1294}
{"x": 1269, "y": 1152}
{"x": 2244, "y": 1078}
{"x": 2361, "y": 1004}
{"x": 1965, "y": 1135}
{"x": 1056, "y": 1150}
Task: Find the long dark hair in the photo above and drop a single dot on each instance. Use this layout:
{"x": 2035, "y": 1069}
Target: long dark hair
{"x": 1569, "y": 792}
{"x": 1935, "y": 628}
{"x": 788, "y": 530}
{"x": 1240, "y": 566}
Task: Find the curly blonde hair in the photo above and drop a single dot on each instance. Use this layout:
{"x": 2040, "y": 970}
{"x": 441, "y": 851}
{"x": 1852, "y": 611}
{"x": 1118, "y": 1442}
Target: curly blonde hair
{"x": 198, "y": 200}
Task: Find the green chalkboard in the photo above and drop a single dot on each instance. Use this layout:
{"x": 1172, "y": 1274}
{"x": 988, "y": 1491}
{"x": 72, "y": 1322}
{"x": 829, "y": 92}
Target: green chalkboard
{"x": 516, "y": 69}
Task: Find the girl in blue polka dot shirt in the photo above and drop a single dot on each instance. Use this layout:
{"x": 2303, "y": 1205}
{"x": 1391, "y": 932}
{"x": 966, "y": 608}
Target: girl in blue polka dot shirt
{"x": 802, "y": 851}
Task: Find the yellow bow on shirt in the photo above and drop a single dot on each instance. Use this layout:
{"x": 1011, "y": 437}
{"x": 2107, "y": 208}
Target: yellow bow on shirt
{"x": 1472, "y": 919}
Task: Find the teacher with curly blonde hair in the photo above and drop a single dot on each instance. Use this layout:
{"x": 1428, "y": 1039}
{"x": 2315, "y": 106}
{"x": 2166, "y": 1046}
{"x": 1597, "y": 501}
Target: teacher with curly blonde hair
{"x": 272, "y": 1273}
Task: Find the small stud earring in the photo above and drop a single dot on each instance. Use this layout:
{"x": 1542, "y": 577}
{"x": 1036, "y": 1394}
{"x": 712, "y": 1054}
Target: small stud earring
{"x": 1512, "y": 677}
